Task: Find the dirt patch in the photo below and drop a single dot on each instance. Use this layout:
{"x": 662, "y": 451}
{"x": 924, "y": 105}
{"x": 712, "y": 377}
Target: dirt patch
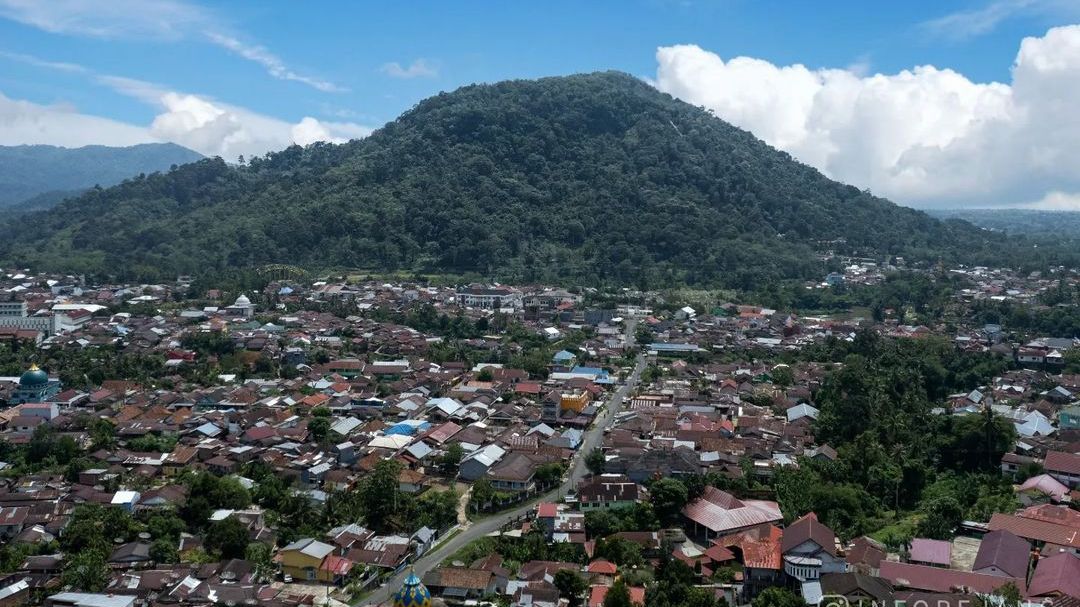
{"x": 964, "y": 551}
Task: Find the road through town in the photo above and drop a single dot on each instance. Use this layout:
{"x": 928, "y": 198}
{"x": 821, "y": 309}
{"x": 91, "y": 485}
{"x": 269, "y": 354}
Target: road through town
{"x": 578, "y": 470}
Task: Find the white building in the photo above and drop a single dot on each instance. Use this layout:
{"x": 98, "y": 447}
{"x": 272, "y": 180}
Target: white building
{"x": 241, "y": 308}
{"x": 489, "y": 298}
{"x": 14, "y": 314}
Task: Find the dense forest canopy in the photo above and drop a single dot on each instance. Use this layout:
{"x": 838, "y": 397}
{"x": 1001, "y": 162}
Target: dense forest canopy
{"x": 595, "y": 177}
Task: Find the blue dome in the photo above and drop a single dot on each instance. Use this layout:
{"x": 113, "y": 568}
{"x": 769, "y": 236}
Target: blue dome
{"x": 34, "y": 378}
{"x": 413, "y": 593}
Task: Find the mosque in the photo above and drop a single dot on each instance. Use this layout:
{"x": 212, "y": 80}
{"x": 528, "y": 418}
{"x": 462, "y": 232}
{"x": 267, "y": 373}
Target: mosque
{"x": 241, "y": 308}
{"x": 412, "y": 593}
{"x": 35, "y": 386}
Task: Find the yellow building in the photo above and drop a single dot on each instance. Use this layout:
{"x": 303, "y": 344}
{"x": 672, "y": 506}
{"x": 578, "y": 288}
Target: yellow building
{"x": 303, "y": 560}
{"x": 574, "y": 401}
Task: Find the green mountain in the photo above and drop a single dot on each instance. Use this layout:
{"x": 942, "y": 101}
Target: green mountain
{"x": 595, "y": 177}
{"x": 29, "y": 171}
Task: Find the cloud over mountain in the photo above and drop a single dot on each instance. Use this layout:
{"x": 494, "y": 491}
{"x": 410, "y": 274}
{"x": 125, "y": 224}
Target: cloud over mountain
{"x": 924, "y": 136}
{"x": 197, "y": 122}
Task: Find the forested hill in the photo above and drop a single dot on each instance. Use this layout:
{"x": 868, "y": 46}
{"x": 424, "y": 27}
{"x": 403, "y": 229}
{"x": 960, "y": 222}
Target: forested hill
{"x": 49, "y": 173}
{"x": 594, "y": 177}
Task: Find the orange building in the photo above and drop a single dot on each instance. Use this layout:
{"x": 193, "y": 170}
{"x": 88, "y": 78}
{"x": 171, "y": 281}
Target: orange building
{"x": 575, "y": 401}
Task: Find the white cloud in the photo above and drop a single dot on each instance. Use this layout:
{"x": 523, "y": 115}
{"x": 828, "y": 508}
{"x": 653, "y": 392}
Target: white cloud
{"x": 151, "y": 19}
{"x": 419, "y": 68}
{"x": 200, "y": 123}
{"x": 976, "y": 22}
{"x": 1057, "y": 201}
{"x": 26, "y": 122}
{"x": 214, "y": 128}
{"x": 273, "y": 64}
{"x": 60, "y": 66}
{"x": 924, "y": 136}
{"x": 971, "y": 23}
{"x": 157, "y": 20}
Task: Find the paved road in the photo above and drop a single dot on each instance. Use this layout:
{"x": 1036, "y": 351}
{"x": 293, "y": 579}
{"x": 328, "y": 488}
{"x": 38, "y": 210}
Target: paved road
{"x": 592, "y": 440}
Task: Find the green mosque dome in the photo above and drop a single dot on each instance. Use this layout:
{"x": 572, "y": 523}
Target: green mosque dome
{"x": 34, "y": 378}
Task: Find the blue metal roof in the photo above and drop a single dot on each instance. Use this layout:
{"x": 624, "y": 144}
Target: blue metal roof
{"x": 407, "y": 429}
{"x": 589, "y": 371}
{"x": 670, "y": 347}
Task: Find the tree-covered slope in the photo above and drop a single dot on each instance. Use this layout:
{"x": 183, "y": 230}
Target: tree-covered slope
{"x": 27, "y": 171}
{"x": 593, "y": 177}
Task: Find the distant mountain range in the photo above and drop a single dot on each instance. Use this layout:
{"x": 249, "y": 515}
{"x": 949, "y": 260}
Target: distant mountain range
{"x": 39, "y": 176}
{"x": 595, "y": 178}
{"x": 1019, "y": 221}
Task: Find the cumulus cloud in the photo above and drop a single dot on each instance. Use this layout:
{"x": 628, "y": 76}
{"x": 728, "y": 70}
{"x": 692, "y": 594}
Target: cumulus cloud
{"x": 200, "y": 123}
{"x": 924, "y": 136}
{"x": 419, "y": 68}
{"x": 26, "y": 122}
{"x": 214, "y": 128}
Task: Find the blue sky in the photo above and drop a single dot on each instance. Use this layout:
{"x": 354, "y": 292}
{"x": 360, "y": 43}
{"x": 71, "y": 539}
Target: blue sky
{"x": 347, "y": 43}
{"x": 180, "y": 69}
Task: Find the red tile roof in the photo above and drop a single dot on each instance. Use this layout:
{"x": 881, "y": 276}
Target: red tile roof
{"x": 337, "y": 565}
{"x": 1058, "y": 461}
{"x": 935, "y": 552}
{"x": 1038, "y": 530}
{"x": 808, "y": 528}
{"x": 1052, "y": 514}
{"x": 441, "y": 434}
{"x": 1005, "y": 551}
{"x": 315, "y": 400}
{"x": 597, "y": 594}
{"x": 721, "y": 512}
{"x": 527, "y": 387}
{"x": 459, "y": 577}
{"x": 760, "y": 547}
{"x": 257, "y": 433}
{"x": 1056, "y": 575}
{"x": 602, "y": 567}
{"x": 720, "y": 554}
{"x": 936, "y": 579}
{"x": 865, "y": 551}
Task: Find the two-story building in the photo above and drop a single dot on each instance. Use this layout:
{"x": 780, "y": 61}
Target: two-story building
{"x": 303, "y": 560}
{"x": 1065, "y": 467}
{"x": 514, "y": 473}
{"x": 809, "y": 550}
